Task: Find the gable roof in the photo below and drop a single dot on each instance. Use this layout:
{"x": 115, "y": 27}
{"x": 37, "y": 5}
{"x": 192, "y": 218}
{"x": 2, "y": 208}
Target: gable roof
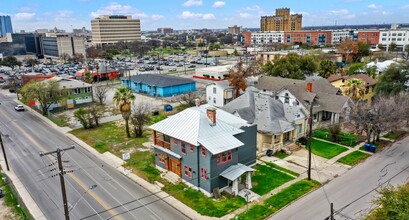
{"x": 193, "y": 126}
{"x": 161, "y": 80}
{"x": 369, "y": 81}
{"x": 324, "y": 94}
{"x": 270, "y": 115}
{"x": 70, "y": 83}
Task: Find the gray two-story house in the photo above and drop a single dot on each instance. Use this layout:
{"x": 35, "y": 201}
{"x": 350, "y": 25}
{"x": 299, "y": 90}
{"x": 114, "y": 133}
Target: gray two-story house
{"x": 208, "y": 148}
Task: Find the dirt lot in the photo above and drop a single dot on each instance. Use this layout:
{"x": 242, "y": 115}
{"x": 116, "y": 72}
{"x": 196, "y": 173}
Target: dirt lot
{"x": 5, "y": 212}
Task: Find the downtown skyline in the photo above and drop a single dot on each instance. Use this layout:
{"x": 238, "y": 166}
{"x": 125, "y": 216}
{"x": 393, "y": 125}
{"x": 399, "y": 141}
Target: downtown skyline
{"x": 196, "y": 14}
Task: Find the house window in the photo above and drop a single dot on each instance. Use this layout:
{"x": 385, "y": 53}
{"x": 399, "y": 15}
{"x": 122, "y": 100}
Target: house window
{"x": 175, "y": 142}
{"x": 224, "y": 157}
{"x": 203, "y": 151}
{"x": 183, "y": 148}
{"x": 192, "y": 148}
{"x": 214, "y": 100}
{"x": 161, "y": 158}
{"x": 203, "y": 173}
{"x": 214, "y": 90}
{"x": 188, "y": 171}
{"x": 286, "y": 100}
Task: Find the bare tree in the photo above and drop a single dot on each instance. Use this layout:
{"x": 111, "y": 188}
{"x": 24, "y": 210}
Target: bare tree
{"x": 96, "y": 111}
{"x": 139, "y": 117}
{"x": 100, "y": 92}
{"x": 362, "y": 118}
{"x": 189, "y": 98}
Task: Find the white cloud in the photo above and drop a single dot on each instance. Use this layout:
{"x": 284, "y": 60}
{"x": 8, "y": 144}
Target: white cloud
{"x": 373, "y": 6}
{"x": 24, "y": 16}
{"x": 64, "y": 14}
{"x": 254, "y": 8}
{"x": 405, "y": 7}
{"x": 188, "y": 14}
{"x": 192, "y": 3}
{"x": 245, "y": 15}
{"x": 218, "y": 4}
{"x": 157, "y": 17}
{"x": 208, "y": 17}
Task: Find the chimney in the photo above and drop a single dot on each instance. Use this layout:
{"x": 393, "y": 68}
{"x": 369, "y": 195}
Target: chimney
{"x": 309, "y": 87}
{"x": 211, "y": 114}
{"x": 197, "y": 102}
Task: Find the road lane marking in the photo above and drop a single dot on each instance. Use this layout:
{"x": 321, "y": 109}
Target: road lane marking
{"x": 79, "y": 182}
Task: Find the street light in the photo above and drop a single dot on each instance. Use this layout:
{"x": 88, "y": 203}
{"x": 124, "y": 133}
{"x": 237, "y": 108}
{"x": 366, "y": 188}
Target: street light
{"x": 82, "y": 196}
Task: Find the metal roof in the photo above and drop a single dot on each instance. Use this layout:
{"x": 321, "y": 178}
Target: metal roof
{"x": 69, "y": 83}
{"x": 173, "y": 154}
{"x": 194, "y": 127}
{"x": 161, "y": 80}
{"x": 235, "y": 171}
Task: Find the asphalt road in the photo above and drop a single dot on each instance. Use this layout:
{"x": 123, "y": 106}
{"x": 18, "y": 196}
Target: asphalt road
{"x": 352, "y": 193}
{"x": 115, "y": 197}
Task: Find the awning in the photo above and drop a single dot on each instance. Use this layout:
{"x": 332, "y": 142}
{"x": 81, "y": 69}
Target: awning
{"x": 173, "y": 154}
{"x": 235, "y": 171}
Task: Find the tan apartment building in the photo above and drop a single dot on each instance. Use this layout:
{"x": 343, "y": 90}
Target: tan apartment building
{"x": 233, "y": 29}
{"x": 281, "y": 21}
{"x": 109, "y": 29}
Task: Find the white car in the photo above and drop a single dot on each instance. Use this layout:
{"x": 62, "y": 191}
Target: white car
{"x": 19, "y": 108}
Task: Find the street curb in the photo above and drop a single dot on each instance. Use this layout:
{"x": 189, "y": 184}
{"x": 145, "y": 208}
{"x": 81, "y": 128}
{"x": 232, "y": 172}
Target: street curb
{"x": 181, "y": 207}
{"x": 25, "y": 196}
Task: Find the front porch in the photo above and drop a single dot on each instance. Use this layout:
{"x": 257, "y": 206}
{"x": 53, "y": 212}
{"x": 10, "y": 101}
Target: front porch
{"x": 274, "y": 142}
{"x": 233, "y": 175}
{"x": 324, "y": 118}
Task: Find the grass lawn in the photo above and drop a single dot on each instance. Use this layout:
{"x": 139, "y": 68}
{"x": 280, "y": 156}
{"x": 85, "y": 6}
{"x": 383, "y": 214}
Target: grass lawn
{"x": 111, "y": 137}
{"x": 11, "y": 200}
{"x": 279, "y": 200}
{"x": 393, "y": 136}
{"x": 281, "y": 155}
{"x": 266, "y": 179}
{"x": 273, "y": 165}
{"x": 61, "y": 121}
{"x": 325, "y": 149}
{"x": 203, "y": 204}
{"x": 353, "y": 158}
{"x": 343, "y": 138}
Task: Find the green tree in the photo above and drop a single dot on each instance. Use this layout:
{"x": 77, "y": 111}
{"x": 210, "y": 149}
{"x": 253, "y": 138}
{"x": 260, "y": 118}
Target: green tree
{"x": 11, "y": 62}
{"x": 393, "y": 47}
{"x": 363, "y": 51}
{"x": 349, "y": 49}
{"x": 31, "y": 62}
{"x": 327, "y": 68}
{"x": 88, "y": 78}
{"x": 45, "y": 93}
{"x": 239, "y": 73}
{"x": 393, "y": 80}
{"x": 292, "y": 66}
{"x": 393, "y": 204}
{"x": 355, "y": 68}
{"x": 355, "y": 89}
{"x": 123, "y": 98}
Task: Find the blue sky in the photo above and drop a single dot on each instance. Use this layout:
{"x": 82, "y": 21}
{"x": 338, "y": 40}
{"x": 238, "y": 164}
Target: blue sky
{"x": 188, "y": 14}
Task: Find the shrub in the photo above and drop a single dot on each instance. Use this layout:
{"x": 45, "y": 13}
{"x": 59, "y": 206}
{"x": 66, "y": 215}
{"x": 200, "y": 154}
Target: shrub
{"x": 334, "y": 130}
{"x": 302, "y": 140}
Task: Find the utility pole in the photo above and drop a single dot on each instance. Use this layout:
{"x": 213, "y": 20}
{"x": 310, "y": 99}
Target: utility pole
{"x": 332, "y": 211}
{"x": 4, "y": 152}
{"x": 61, "y": 173}
{"x": 309, "y": 88}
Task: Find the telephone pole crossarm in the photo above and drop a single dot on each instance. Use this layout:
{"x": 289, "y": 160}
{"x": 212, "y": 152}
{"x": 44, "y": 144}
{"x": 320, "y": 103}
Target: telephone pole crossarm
{"x": 61, "y": 173}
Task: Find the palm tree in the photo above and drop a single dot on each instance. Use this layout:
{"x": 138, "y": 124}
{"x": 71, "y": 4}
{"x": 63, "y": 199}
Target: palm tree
{"x": 123, "y": 98}
{"x": 355, "y": 89}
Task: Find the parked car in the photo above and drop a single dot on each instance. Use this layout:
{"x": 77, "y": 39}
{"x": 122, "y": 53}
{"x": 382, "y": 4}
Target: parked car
{"x": 191, "y": 66}
{"x": 19, "y": 108}
{"x": 172, "y": 70}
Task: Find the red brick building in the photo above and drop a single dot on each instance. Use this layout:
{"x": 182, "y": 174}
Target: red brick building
{"x": 312, "y": 38}
{"x": 370, "y": 37}
{"x": 247, "y": 37}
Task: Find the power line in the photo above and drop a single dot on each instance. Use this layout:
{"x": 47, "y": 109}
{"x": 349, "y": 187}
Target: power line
{"x": 61, "y": 173}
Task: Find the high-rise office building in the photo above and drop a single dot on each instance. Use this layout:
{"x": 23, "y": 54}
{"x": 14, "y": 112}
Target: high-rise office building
{"x": 165, "y": 30}
{"x": 5, "y": 25}
{"x": 108, "y": 29}
{"x": 281, "y": 21}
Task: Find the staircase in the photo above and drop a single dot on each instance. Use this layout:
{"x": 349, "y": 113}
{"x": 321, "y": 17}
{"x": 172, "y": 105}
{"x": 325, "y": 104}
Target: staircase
{"x": 171, "y": 177}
